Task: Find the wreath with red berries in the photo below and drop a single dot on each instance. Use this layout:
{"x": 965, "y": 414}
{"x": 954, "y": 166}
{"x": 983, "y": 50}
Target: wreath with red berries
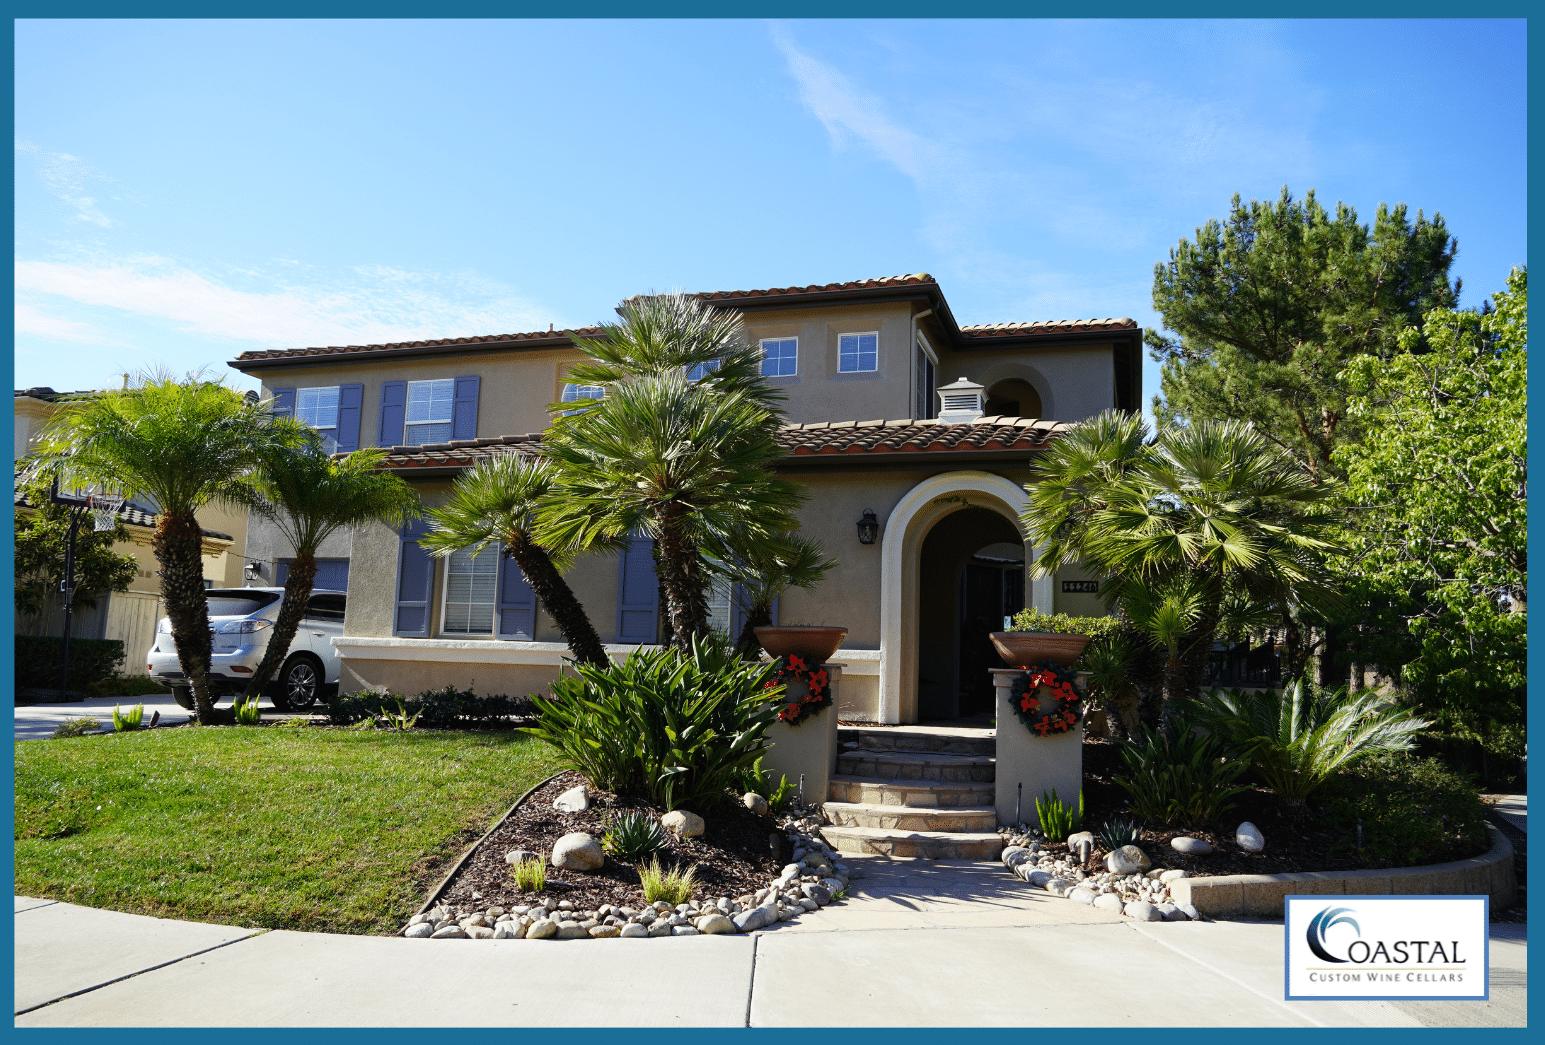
{"x": 1042, "y": 715}
{"x": 793, "y": 668}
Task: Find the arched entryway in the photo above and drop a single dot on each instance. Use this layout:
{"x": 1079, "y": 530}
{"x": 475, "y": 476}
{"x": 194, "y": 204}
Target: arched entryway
{"x": 989, "y": 506}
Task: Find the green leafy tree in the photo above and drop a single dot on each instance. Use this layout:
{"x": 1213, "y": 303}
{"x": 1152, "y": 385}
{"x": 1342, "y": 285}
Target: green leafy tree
{"x": 1439, "y": 546}
{"x": 1269, "y": 307}
{"x": 183, "y": 444}
{"x": 42, "y": 531}
{"x": 495, "y": 504}
{"x": 309, "y": 496}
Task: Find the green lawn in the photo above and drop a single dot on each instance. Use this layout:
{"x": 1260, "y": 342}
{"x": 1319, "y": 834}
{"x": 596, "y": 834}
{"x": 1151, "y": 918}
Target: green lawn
{"x": 314, "y": 829}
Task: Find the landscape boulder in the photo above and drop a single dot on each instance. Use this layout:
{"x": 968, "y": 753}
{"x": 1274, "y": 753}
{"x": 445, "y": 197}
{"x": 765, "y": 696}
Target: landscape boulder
{"x": 1250, "y": 838}
{"x": 683, "y": 824}
{"x": 574, "y": 800}
{"x": 578, "y": 851}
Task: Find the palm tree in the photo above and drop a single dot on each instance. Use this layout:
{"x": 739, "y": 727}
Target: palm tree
{"x": 309, "y": 495}
{"x": 685, "y": 463}
{"x": 493, "y": 503}
{"x": 763, "y": 570}
{"x": 181, "y": 444}
{"x": 1213, "y": 506}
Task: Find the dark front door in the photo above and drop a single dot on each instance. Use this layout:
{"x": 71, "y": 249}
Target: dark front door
{"x": 988, "y": 594}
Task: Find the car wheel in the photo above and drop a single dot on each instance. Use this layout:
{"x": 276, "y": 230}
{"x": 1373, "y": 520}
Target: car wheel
{"x": 183, "y": 695}
{"x": 300, "y": 682}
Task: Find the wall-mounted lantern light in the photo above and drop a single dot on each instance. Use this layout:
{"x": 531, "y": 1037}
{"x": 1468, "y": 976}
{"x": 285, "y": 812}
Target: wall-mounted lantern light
{"x": 253, "y": 570}
{"x": 868, "y": 527}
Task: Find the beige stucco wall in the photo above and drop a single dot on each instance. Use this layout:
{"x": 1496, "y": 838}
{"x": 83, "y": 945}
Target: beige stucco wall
{"x": 819, "y": 392}
{"x": 1073, "y": 383}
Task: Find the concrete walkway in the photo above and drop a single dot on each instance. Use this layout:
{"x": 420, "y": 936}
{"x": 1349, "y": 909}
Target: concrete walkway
{"x": 38, "y": 721}
{"x": 919, "y": 943}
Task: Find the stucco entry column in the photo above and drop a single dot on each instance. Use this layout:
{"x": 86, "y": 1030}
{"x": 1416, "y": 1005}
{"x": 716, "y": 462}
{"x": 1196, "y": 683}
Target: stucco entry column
{"x": 900, "y": 561}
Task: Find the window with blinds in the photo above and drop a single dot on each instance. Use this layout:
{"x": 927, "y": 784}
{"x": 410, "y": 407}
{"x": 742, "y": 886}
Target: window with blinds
{"x": 470, "y": 586}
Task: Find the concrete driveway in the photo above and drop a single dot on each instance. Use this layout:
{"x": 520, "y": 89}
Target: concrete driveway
{"x": 38, "y": 721}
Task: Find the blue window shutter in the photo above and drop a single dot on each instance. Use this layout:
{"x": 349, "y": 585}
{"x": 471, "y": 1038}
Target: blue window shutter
{"x": 284, "y": 402}
{"x": 464, "y": 409}
{"x": 394, "y": 412}
{"x": 351, "y": 398}
{"x": 638, "y": 593}
{"x": 415, "y": 581}
{"x": 332, "y": 575}
{"x": 774, "y": 612}
{"x": 281, "y": 573}
{"x": 517, "y": 602}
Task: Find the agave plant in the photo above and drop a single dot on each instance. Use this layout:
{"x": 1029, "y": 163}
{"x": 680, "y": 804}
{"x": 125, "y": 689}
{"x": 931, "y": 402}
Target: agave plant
{"x": 1297, "y": 739}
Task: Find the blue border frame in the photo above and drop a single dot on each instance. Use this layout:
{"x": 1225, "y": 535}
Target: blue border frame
{"x": 1287, "y": 994}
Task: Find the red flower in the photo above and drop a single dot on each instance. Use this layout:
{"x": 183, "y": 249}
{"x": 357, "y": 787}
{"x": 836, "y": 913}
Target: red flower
{"x": 795, "y": 662}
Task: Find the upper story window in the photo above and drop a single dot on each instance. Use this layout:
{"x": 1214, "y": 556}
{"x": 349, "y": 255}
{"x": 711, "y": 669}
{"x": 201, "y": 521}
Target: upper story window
{"x": 318, "y": 407}
{"x": 430, "y": 407}
{"x": 858, "y": 352}
{"x": 780, "y": 356}
{"x": 471, "y": 582}
{"x": 573, "y": 393}
{"x": 701, "y": 370}
{"x": 924, "y": 381}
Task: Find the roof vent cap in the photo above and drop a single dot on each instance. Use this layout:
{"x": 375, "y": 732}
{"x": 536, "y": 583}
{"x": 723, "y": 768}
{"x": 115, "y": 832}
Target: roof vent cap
{"x": 961, "y": 402}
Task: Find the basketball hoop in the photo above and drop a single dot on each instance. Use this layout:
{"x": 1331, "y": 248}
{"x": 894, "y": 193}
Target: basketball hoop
{"x": 104, "y": 511}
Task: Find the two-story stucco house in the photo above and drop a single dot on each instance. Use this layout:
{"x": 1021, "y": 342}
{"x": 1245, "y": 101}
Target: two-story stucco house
{"x": 894, "y": 409}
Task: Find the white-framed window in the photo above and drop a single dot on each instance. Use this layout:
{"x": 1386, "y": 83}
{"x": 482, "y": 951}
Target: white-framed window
{"x": 721, "y": 602}
{"x": 924, "y": 379}
{"x": 780, "y": 356}
{"x": 430, "y": 404}
{"x": 318, "y": 407}
{"x": 857, "y": 353}
{"x": 471, "y": 584}
{"x": 573, "y": 393}
{"x": 698, "y": 371}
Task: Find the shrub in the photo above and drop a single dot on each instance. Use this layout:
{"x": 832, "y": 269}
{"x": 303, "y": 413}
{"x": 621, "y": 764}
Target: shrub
{"x": 444, "y": 708}
{"x": 76, "y": 727}
{"x": 128, "y": 721}
{"x": 778, "y": 795}
{"x": 401, "y": 719}
{"x": 121, "y": 685}
{"x": 1066, "y": 624}
{"x": 673, "y": 886}
{"x": 680, "y": 727}
{"x": 1412, "y": 810}
{"x": 1058, "y": 820}
{"x": 247, "y": 711}
{"x": 633, "y": 836}
{"x": 1118, "y": 833}
{"x": 530, "y": 874}
{"x": 91, "y": 660}
{"x": 1297, "y": 738}
{"x": 1179, "y": 775}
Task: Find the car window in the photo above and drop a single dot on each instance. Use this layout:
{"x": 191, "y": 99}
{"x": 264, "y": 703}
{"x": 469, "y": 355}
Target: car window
{"x": 234, "y": 602}
{"x": 326, "y": 607}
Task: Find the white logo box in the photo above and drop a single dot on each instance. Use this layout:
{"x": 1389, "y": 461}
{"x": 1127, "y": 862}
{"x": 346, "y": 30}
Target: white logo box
{"x": 1386, "y": 947}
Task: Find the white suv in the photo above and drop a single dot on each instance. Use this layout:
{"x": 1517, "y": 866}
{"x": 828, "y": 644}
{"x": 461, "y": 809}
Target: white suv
{"x": 241, "y": 620}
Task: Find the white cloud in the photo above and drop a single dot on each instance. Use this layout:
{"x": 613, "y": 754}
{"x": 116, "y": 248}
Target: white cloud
{"x": 68, "y": 177}
{"x": 370, "y": 305}
{"x": 32, "y": 321}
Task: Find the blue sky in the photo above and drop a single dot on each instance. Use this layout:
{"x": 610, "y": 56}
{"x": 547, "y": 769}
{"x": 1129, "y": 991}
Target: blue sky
{"x": 187, "y": 190}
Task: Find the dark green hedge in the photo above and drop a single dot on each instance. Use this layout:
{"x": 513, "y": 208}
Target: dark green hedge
{"x": 1413, "y": 810}
{"x": 446, "y": 708}
{"x": 38, "y": 657}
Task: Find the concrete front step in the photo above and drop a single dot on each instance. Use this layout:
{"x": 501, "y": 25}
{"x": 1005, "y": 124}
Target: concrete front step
{"x": 914, "y": 818}
{"x": 933, "y": 845}
{"x": 916, "y": 765}
{"x": 944, "y": 794}
{"x": 951, "y": 742}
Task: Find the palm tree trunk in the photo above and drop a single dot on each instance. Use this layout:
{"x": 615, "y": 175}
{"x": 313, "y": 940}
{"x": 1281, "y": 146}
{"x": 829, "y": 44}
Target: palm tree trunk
{"x": 684, "y": 589}
{"x": 759, "y": 616}
{"x": 297, "y": 589}
{"x": 178, "y": 548}
{"x": 561, "y": 603}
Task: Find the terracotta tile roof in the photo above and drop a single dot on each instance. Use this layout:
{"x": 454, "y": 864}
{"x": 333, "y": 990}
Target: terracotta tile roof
{"x": 909, "y": 436}
{"x": 1048, "y": 326}
{"x": 824, "y": 439}
{"x": 916, "y": 279}
{"x": 406, "y": 346}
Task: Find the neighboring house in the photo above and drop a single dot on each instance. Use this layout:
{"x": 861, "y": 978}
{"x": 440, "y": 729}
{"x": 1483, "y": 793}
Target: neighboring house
{"x": 128, "y": 615}
{"x": 893, "y": 408}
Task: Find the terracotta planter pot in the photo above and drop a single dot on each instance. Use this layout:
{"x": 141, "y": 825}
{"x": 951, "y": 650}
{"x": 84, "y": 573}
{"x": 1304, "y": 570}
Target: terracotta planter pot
{"x": 814, "y": 644}
{"x": 1022, "y": 648}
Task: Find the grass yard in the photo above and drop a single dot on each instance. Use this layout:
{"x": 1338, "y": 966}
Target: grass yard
{"x": 314, "y": 829}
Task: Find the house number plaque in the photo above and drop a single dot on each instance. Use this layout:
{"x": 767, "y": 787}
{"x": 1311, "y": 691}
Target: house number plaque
{"x": 1080, "y": 587}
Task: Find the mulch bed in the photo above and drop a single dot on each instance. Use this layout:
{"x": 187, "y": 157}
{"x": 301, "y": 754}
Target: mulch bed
{"x": 734, "y": 855}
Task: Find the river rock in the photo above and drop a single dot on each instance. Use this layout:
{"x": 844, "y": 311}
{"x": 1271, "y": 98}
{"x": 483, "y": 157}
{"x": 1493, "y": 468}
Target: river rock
{"x": 820, "y": 894}
{"x": 1108, "y": 902}
{"x": 1250, "y": 838}
{"x": 683, "y": 824}
{"x": 574, "y": 800}
{"x": 480, "y": 932}
{"x": 604, "y": 932}
{"x": 1127, "y": 860}
{"x": 1189, "y": 911}
{"x": 1015, "y": 855}
{"x": 748, "y": 921}
{"x": 1142, "y": 911}
{"x": 685, "y": 930}
{"x": 660, "y": 927}
{"x": 1082, "y": 895}
{"x": 1190, "y": 846}
{"x": 520, "y": 856}
{"x": 572, "y": 931}
{"x": 542, "y": 929}
{"x": 1081, "y": 844}
{"x": 633, "y": 931}
{"x": 1170, "y": 913}
{"x": 419, "y": 931}
{"x": 1060, "y": 886}
{"x": 450, "y": 932}
{"x": 755, "y": 802}
{"x": 578, "y": 851}
{"x": 1174, "y": 875}
{"x": 1037, "y": 878}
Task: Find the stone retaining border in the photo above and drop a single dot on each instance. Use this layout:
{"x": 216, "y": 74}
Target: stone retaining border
{"x": 1261, "y": 895}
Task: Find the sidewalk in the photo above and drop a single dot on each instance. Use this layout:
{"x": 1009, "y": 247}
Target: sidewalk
{"x": 919, "y": 943}
{"x": 37, "y": 721}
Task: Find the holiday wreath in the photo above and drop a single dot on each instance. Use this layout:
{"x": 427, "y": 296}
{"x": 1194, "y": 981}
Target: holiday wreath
{"x": 1042, "y": 716}
{"x": 794, "y": 669}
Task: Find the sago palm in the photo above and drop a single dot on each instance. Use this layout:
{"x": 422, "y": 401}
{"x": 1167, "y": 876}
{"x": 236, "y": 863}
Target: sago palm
{"x": 494, "y": 504}
{"x": 308, "y": 496}
{"x": 764, "y": 569}
{"x": 686, "y": 464}
{"x": 182, "y": 444}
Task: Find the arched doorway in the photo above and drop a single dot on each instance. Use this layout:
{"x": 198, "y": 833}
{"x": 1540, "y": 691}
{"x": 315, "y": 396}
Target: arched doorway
{"x": 906, "y": 534}
{"x": 971, "y": 576}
